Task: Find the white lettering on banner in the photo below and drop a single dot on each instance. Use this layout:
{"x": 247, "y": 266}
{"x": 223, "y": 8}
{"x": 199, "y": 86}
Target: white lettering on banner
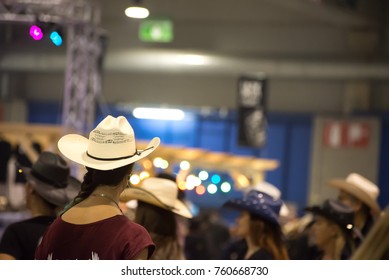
{"x": 250, "y": 93}
{"x": 346, "y": 134}
{"x": 335, "y": 135}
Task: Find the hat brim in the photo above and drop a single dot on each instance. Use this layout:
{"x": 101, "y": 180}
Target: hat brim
{"x": 357, "y": 192}
{"x": 136, "y": 193}
{"x": 54, "y": 195}
{"x": 74, "y": 147}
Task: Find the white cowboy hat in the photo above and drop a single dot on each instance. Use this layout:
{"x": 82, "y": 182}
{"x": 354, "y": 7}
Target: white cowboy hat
{"x": 159, "y": 192}
{"x": 361, "y": 188}
{"x": 110, "y": 145}
{"x": 50, "y": 178}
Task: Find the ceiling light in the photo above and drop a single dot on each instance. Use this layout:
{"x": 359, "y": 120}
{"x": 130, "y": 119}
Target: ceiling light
{"x": 36, "y": 32}
{"x": 191, "y": 59}
{"x": 137, "y": 12}
{"x": 158, "y": 114}
{"x": 56, "y": 38}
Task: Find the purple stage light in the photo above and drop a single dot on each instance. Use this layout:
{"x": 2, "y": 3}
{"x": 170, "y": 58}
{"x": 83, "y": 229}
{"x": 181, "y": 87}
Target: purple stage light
{"x": 36, "y": 33}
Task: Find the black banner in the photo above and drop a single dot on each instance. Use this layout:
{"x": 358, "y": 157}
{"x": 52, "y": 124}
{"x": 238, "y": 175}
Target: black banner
{"x": 251, "y": 112}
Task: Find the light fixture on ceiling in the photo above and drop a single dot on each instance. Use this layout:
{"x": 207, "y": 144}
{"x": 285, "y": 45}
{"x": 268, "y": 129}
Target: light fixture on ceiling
{"x": 56, "y": 35}
{"x": 158, "y": 114}
{"x": 56, "y": 38}
{"x": 192, "y": 59}
{"x": 36, "y": 32}
{"x": 137, "y": 11}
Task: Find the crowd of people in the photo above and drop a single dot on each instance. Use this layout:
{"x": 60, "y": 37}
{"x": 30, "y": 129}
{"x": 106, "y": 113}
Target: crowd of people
{"x": 72, "y": 219}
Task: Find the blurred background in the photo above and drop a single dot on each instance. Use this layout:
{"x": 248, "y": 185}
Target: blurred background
{"x": 290, "y": 92}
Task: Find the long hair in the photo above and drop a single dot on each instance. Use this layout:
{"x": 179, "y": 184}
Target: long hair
{"x": 342, "y": 241}
{"x": 269, "y": 237}
{"x": 162, "y": 226}
{"x": 94, "y": 178}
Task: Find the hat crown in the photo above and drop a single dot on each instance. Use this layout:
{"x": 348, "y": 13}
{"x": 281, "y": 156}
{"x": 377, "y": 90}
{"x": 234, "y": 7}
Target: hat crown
{"x": 259, "y": 204}
{"x": 363, "y": 184}
{"x": 335, "y": 211}
{"x": 164, "y": 190}
{"x": 265, "y": 199}
{"x": 160, "y": 192}
{"x": 268, "y": 188}
{"x": 274, "y": 192}
{"x": 113, "y": 138}
{"x": 339, "y": 212}
{"x": 52, "y": 169}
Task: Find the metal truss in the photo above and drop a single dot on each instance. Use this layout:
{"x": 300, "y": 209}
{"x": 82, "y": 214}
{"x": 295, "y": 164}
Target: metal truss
{"x": 82, "y": 77}
{"x": 65, "y": 12}
{"x": 85, "y": 51}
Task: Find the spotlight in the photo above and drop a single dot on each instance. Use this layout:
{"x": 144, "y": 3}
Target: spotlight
{"x": 137, "y": 11}
{"x": 36, "y": 32}
{"x": 158, "y": 114}
{"x": 56, "y": 38}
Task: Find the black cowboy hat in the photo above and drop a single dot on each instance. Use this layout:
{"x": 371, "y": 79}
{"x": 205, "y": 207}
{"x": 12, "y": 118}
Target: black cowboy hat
{"x": 337, "y": 212}
{"x": 50, "y": 178}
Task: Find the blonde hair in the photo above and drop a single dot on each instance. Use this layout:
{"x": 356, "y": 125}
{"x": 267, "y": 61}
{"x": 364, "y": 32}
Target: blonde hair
{"x": 339, "y": 243}
{"x": 167, "y": 248}
{"x": 341, "y": 240}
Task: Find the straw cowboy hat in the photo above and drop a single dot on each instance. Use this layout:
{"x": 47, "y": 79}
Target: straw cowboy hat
{"x": 50, "y": 178}
{"x": 110, "y": 145}
{"x": 160, "y": 192}
{"x": 361, "y": 188}
{"x": 259, "y": 204}
{"x": 274, "y": 192}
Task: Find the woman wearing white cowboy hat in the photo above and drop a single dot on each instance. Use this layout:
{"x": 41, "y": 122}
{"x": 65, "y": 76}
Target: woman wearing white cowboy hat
{"x": 158, "y": 210}
{"x": 93, "y": 225}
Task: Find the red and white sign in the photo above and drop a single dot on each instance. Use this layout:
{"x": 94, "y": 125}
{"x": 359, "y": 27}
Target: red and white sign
{"x": 346, "y": 134}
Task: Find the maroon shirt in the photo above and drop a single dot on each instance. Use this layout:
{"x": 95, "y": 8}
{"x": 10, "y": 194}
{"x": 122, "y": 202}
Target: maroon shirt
{"x": 115, "y": 238}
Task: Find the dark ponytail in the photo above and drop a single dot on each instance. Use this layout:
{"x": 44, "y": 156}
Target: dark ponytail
{"x": 94, "y": 178}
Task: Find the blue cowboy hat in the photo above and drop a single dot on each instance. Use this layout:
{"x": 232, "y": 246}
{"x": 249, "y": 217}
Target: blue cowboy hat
{"x": 259, "y": 204}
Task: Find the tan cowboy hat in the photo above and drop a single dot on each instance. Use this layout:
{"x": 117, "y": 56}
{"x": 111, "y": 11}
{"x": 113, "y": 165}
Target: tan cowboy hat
{"x": 159, "y": 192}
{"x": 361, "y": 188}
{"x": 110, "y": 145}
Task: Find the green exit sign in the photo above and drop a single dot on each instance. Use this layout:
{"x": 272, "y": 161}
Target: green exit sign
{"x": 152, "y": 30}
